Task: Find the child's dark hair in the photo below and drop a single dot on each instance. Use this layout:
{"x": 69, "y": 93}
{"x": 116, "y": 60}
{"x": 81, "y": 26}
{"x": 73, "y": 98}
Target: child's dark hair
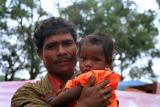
{"x": 100, "y": 38}
{"x": 52, "y": 26}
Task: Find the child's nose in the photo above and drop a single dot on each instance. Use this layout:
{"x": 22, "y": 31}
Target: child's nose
{"x": 88, "y": 63}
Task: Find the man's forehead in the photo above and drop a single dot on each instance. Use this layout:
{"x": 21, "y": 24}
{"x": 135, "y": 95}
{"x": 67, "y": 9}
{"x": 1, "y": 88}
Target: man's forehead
{"x": 59, "y": 37}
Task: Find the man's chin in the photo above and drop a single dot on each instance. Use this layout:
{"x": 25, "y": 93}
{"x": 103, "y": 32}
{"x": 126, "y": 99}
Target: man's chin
{"x": 65, "y": 70}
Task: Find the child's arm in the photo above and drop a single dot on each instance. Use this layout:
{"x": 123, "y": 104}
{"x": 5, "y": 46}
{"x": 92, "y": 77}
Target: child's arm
{"x": 67, "y": 96}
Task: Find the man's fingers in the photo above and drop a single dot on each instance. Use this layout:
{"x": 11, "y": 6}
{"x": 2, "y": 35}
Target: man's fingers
{"x": 105, "y": 101}
{"x": 107, "y": 90}
{"x": 91, "y": 81}
{"x": 108, "y": 103}
{"x": 106, "y": 93}
{"x": 107, "y": 96}
{"x": 102, "y": 84}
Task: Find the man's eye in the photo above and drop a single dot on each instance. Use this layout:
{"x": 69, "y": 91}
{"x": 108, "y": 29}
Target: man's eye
{"x": 50, "y": 46}
{"x": 67, "y": 43}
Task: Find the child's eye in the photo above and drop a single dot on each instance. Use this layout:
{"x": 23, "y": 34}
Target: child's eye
{"x": 96, "y": 59}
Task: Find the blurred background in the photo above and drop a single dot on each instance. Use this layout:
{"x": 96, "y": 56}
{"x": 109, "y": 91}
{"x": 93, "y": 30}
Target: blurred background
{"x": 134, "y": 25}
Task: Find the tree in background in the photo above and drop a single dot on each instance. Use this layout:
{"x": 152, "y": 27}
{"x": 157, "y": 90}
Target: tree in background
{"x": 133, "y": 32}
{"x": 18, "y": 19}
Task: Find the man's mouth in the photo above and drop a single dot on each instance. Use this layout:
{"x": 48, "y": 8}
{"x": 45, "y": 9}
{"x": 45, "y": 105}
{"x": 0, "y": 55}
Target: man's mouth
{"x": 63, "y": 61}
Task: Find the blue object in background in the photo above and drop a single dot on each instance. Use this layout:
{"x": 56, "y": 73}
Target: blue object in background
{"x": 124, "y": 84}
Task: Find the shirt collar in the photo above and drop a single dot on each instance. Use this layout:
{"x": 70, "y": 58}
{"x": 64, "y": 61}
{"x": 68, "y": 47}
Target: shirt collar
{"x": 55, "y": 84}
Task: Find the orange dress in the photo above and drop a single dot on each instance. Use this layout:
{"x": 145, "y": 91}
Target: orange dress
{"x": 100, "y": 76}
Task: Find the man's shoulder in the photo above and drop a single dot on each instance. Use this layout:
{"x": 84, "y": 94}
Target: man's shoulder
{"x": 36, "y": 87}
{"x": 31, "y": 93}
{"x": 27, "y": 87}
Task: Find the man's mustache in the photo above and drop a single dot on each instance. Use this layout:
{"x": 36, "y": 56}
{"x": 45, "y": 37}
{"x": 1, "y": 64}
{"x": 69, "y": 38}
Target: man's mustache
{"x": 62, "y": 59}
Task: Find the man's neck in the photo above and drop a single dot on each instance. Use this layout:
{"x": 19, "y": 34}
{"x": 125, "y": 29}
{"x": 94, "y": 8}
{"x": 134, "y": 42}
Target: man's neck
{"x": 62, "y": 78}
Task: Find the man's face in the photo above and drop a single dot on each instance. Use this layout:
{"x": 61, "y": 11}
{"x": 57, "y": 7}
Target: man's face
{"x": 59, "y": 54}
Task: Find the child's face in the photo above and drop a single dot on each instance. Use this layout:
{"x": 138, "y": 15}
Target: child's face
{"x": 91, "y": 58}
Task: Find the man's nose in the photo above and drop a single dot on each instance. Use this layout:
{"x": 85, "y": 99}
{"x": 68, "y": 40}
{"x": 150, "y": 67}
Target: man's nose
{"x": 61, "y": 51}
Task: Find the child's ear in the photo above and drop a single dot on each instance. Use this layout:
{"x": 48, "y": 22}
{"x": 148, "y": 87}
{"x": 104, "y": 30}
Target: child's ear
{"x": 107, "y": 65}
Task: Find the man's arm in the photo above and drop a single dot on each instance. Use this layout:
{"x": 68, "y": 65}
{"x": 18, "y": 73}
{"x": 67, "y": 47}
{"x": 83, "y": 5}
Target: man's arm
{"x": 27, "y": 96}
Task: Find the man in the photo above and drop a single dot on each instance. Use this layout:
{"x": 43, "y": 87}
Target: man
{"x": 55, "y": 39}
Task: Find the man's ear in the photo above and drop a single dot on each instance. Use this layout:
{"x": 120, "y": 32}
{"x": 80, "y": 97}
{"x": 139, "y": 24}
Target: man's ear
{"x": 40, "y": 53}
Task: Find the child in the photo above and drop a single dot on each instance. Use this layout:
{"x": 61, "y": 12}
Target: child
{"x": 95, "y": 58}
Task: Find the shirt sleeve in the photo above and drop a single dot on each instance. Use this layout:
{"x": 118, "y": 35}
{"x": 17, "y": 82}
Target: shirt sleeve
{"x": 28, "y": 96}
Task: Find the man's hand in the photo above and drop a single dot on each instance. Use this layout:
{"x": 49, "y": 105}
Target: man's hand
{"x": 95, "y": 96}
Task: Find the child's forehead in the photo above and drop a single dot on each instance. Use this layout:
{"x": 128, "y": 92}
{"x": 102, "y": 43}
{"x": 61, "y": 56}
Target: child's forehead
{"x": 91, "y": 49}
{"x": 91, "y": 45}
{"x": 92, "y": 39}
